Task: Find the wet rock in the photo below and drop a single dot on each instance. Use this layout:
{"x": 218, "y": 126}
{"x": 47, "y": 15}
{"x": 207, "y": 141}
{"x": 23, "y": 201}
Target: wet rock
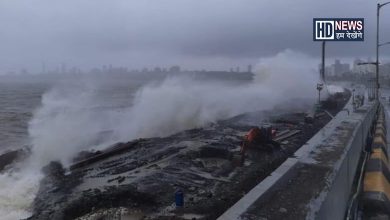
{"x": 206, "y": 152}
{"x": 54, "y": 169}
{"x": 124, "y": 195}
{"x": 7, "y": 158}
{"x": 85, "y": 155}
{"x": 145, "y": 173}
{"x": 282, "y": 210}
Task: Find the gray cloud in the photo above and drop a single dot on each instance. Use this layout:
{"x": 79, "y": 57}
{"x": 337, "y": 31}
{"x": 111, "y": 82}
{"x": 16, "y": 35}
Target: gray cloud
{"x": 136, "y": 33}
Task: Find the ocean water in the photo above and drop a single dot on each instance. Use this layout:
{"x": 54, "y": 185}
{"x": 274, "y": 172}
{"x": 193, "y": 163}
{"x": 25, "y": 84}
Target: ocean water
{"x": 21, "y": 98}
{"x": 59, "y": 118}
{"x": 18, "y": 100}
{"x": 38, "y": 110}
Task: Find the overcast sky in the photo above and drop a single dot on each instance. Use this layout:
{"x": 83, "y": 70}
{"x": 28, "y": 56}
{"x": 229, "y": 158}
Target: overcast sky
{"x": 212, "y": 34}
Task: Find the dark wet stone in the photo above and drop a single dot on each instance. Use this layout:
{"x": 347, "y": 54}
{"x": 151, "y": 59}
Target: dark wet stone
{"x": 10, "y": 157}
{"x": 146, "y": 173}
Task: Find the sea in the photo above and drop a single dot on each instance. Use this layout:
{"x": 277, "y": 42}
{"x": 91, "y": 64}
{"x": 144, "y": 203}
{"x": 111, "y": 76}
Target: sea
{"x": 57, "y": 117}
{"x": 20, "y": 97}
{"x": 46, "y": 111}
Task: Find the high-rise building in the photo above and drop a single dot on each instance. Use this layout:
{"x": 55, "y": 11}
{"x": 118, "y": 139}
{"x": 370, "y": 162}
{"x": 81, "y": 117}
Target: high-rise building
{"x": 339, "y": 68}
{"x": 174, "y": 69}
{"x": 367, "y": 68}
{"x": 63, "y": 68}
{"x": 384, "y": 70}
{"x": 249, "y": 68}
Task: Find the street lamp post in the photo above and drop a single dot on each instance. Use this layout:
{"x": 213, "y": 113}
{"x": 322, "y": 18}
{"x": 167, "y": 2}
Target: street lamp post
{"x": 320, "y": 86}
{"x": 379, "y": 6}
{"x": 322, "y": 74}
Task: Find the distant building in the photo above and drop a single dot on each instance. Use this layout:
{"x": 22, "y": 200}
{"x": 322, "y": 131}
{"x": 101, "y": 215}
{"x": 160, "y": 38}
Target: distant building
{"x": 157, "y": 70}
{"x": 174, "y": 69}
{"x": 63, "y": 68}
{"x": 339, "y": 68}
{"x": 384, "y": 70}
{"x": 249, "y": 68}
{"x": 368, "y": 68}
{"x": 328, "y": 70}
{"x": 336, "y": 69}
{"x": 356, "y": 67}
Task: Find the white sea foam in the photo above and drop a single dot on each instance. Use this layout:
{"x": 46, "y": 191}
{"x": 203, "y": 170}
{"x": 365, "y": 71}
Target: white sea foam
{"x": 71, "y": 119}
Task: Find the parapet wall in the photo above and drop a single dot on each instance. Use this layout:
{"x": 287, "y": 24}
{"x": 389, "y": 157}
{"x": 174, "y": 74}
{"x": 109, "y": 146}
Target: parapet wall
{"x": 376, "y": 188}
{"x": 317, "y": 182}
{"x": 337, "y": 195}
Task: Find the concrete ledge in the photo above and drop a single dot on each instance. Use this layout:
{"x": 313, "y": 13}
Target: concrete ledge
{"x": 335, "y": 198}
{"x": 376, "y": 190}
{"x": 336, "y": 148}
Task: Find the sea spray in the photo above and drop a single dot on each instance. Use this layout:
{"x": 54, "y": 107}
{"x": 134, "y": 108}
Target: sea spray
{"x": 18, "y": 188}
{"x": 72, "y": 118}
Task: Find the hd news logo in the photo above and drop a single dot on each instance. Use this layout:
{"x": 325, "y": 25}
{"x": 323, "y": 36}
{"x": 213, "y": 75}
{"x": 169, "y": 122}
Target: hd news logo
{"x": 338, "y": 29}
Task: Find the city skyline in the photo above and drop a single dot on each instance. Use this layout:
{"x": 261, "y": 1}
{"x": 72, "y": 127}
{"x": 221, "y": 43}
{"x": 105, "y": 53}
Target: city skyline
{"x": 139, "y": 33}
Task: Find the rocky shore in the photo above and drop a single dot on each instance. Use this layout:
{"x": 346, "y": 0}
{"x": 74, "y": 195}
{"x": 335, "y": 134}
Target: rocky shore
{"x": 138, "y": 179}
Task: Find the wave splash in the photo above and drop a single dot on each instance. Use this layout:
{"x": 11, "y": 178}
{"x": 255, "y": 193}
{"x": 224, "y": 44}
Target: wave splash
{"x": 72, "y": 118}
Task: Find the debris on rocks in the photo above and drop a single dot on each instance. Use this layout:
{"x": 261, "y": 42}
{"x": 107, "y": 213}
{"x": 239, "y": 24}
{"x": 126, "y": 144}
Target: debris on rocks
{"x": 144, "y": 174}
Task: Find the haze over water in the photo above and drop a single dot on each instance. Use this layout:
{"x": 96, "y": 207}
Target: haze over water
{"x": 60, "y": 118}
